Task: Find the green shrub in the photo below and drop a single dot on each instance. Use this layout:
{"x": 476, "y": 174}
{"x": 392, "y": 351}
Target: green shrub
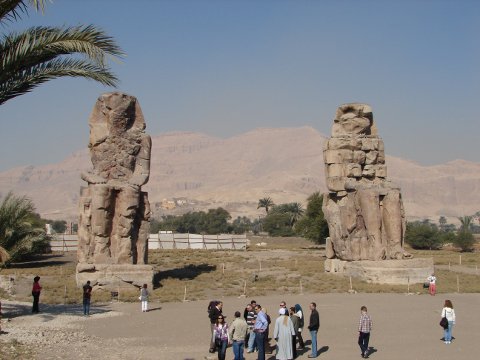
{"x": 464, "y": 240}
{"x": 423, "y": 236}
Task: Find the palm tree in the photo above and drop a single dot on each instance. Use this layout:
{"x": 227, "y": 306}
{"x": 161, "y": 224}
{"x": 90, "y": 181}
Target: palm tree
{"x": 296, "y": 211}
{"x": 266, "y": 203}
{"x": 466, "y": 222}
{"x": 40, "y": 54}
{"x": 19, "y": 233}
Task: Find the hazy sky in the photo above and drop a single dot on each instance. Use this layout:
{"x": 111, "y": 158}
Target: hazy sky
{"x": 227, "y": 67}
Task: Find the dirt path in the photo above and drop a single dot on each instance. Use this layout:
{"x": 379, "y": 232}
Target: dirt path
{"x": 405, "y": 327}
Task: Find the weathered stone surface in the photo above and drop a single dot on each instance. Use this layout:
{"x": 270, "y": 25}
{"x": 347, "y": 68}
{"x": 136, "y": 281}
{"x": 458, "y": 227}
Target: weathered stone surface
{"x": 112, "y": 276}
{"x": 368, "y": 222}
{"x": 114, "y": 212}
{"x": 396, "y": 272}
{"x": 338, "y": 156}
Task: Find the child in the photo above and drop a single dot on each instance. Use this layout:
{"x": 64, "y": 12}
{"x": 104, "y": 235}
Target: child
{"x": 144, "y": 298}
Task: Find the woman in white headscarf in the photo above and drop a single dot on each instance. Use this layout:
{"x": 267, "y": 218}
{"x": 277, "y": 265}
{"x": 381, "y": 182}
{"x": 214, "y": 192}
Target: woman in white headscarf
{"x": 282, "y": 334}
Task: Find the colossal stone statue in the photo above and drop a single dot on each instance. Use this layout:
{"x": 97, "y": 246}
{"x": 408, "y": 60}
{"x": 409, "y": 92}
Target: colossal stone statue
{"x": 114, "y": 212}
{"x": 363, "y": 209}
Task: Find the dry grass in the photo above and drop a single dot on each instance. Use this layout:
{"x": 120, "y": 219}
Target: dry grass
{"x": 287, "y": 265}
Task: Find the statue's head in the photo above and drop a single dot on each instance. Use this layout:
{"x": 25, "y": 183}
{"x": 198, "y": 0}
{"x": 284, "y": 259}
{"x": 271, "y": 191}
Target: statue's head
{"x": 115, "y": 113}
{"x": 119, "y": 111}
{"x": 354, "y": 119}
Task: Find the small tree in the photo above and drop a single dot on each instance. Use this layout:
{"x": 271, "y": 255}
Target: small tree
{"x": 21, "y": 235}
{"x": 278, "y": 223}
{"x": 266, "y": 203}
{"x": 313, "y": 225}
{"x": 464, "y": 239}
{"x": 423, "y": 236}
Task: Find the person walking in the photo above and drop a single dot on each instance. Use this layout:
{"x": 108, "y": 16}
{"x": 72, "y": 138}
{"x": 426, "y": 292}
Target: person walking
{"x": 299, "y": 313}
{"x": 449, "y": 313}
{"x": 221, "y": 336}
{"x": 432, "y": 287}
{"x": 144, "y": 297}
{"x": 238, "y": 332}
{"x": 214, "y": 311}
{"x": 36, "y": 289}
{"x": 87, "y": 292}
{"x": 364, "y": 327}
{"x": 313, "y": 327}
{"x": 260, "y": 329}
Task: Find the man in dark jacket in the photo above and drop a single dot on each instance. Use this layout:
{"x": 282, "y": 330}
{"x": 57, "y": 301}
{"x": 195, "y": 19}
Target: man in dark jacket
{"x": 313, "y": 327}
{"x": 213, "y": 313}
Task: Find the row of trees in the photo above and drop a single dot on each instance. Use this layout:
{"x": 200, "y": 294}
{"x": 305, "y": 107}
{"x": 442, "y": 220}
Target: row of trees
{"x": 426, "y": 235}
{"x": 281, "y": 220}
{"x": 291, "y": 219}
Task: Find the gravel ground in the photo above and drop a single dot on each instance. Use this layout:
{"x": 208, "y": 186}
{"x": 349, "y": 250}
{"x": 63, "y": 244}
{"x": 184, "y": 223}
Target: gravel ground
{"x": 405, "y": 327}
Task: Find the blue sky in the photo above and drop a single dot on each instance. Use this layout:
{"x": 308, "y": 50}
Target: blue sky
{"x": 227, "y": 67}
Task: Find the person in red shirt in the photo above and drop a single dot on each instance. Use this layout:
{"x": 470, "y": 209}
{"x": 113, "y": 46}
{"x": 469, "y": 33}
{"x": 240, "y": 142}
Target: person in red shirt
{"x": 36, "y": 294}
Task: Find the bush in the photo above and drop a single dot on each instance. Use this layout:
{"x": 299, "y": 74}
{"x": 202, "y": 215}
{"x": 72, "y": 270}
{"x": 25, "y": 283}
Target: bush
{"x": 423, "y": 236}
{"x": 313, "y": 225}
{"x": 464, "y": 240}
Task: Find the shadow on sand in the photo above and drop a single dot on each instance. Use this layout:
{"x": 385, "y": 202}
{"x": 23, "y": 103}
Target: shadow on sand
{"x": 40, "y": 261}
{"x": 48, "y": 312}
{"x": 188, "y": 272}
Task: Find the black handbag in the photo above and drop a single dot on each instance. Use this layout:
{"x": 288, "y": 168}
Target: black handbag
{"x": 444, "y": 323}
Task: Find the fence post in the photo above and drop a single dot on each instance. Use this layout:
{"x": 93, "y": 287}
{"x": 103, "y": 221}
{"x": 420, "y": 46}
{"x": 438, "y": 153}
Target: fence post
{"x": 460, "y": 260}
{"x": 458, "y": 284}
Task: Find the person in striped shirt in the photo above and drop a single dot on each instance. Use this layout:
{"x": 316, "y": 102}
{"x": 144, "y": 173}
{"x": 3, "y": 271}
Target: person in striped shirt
{"x": 364, "y": 327}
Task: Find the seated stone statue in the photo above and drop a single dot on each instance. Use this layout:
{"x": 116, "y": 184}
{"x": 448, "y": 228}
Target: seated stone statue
{"x": 363, "y": 209}
{"x": 114, "y": 212}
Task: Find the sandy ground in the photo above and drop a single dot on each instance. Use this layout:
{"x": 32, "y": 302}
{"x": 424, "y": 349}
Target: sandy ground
{"x": 405, "y": 327}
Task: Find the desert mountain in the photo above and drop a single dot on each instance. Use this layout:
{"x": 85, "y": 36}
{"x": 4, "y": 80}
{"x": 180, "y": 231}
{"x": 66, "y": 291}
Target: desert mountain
{"x": 193, "y": 171}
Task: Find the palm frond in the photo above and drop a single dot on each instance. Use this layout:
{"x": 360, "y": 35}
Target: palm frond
{"x": 11, "y": 9}
{"x": 25, "y": 81}
{"x": 41, "y": 44}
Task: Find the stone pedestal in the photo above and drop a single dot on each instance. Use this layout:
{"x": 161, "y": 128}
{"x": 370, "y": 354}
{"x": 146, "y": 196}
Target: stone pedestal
{"x": 396, "y": 272}
{"x": 111, "y": 276}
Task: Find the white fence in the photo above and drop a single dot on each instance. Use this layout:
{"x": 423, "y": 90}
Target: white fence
{"x": 63, "y": 242}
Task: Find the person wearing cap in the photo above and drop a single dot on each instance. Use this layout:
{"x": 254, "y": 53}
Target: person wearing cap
{"x": 283, "y": 333}
{"x": 238, "y": 331}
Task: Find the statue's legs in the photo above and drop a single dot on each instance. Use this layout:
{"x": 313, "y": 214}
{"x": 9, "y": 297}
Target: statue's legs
{"x": 102, "y": 213}
{"x": 127, "y": 205}
{"x": 393, "y": 222}
{"x": 85, "y": 243}
{"x": 144, "y": 230}
{"x": 369, "y": 201}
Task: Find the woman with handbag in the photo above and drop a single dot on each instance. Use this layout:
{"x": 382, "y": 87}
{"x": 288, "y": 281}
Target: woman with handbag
{"x": 448, "y": 313}
{"x": 221, "y": 336}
